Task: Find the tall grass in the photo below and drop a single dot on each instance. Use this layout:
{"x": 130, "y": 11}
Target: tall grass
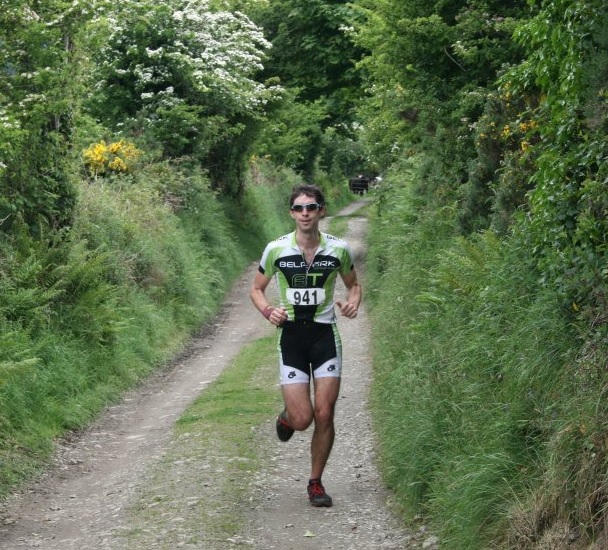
{"x": 89, "y": 312}
{"x": 473, "y": 383}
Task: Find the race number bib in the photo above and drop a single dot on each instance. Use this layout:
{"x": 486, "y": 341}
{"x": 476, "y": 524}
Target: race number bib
{"x": 305, "y": 296}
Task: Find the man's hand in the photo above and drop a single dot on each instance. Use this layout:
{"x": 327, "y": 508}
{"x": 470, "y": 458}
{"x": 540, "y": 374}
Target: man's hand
{"x": 347, "y": 309}
{"x": 278, "y": 316}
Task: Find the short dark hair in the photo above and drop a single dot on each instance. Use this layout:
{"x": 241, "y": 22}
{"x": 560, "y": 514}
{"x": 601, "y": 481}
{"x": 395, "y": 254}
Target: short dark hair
{"x": 309, "y": 190}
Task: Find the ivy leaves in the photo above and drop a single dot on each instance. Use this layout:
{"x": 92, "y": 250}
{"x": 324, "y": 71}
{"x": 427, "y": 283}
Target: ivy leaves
{"x": 565, "y": 43}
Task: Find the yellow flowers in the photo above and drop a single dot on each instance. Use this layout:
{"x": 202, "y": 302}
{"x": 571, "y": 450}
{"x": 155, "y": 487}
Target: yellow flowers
{"x": 527, "y": 125}
{"x": 117, "y": 157}
{"x": 523, "y": 127}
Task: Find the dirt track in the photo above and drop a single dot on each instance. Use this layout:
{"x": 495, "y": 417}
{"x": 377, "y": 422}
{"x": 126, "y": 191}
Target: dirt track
{"x": 84, "y": 502}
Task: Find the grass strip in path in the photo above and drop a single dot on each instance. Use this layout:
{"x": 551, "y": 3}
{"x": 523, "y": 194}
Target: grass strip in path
{"x": 194, "y": 497}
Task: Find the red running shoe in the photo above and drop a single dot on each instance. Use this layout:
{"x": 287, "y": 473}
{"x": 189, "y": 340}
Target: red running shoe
{"x": 317, "y": 494}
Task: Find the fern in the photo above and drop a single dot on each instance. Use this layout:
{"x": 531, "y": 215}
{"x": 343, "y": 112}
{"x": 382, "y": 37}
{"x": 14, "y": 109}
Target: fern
{"x": 23, "y": 298}
{"x": 9, "y": 369}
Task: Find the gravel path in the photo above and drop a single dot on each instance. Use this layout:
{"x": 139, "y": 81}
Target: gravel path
{"x": 85, "y": 502}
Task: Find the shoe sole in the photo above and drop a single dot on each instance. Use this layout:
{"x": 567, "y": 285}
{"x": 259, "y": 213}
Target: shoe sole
{"x": 322, "y": 504}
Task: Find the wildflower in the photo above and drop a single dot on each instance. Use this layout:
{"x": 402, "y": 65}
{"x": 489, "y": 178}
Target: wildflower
{"x": 116, "y": 157}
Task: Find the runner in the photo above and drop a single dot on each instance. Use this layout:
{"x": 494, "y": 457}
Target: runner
{"x": 306, "y": 263}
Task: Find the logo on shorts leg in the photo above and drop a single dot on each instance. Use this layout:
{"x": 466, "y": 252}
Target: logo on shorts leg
{"x": 331, "y": 368}
{"x": 292, "y": 374}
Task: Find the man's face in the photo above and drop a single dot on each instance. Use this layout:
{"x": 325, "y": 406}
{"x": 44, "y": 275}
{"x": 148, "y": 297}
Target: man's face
{"x": 306, "y": 212}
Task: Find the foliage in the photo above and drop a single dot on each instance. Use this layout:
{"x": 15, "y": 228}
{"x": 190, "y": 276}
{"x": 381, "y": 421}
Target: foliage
{"x": 470, "y": 359}
{"x": 38, "y": 97}
{"x": 491, "y": 348}
{"x": 487, "y": 268}
{"x": 499, "y": 178}
{"x": 292, "y": 135}
{"x": 428, "y": 69}
{"x": 86, "y": 313}
{"x": 313, "y": 52}
{"x": 184, "y": 74}
{"x": 313, "y": 129}
{"x": 567, "y": 47}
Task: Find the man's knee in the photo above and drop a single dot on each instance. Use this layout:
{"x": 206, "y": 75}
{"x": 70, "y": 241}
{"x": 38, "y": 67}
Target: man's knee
{"x": 324, "y": 415}
{"x": 300, "y": 421}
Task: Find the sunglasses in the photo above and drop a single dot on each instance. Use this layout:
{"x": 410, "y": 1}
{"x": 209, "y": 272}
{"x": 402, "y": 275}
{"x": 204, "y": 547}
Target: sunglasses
{"x": 310, "y": 207}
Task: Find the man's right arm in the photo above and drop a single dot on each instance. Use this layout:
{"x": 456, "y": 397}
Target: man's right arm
{"x": 258, "y": 291}
{"x": 275, "y": 315}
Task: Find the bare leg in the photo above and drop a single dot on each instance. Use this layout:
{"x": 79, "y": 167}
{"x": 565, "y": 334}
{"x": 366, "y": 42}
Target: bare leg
{"x": 300, "y": 414}
{"x": 326, "y": 395}
{"x": 298, "y": 405}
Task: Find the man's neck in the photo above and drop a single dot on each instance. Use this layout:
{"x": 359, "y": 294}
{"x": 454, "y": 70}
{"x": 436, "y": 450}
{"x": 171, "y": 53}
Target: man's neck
{"x": 308, "y": 241}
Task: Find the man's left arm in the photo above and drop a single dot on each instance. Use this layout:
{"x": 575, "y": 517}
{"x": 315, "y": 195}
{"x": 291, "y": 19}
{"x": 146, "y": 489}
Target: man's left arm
{"x": 350, "y": 307}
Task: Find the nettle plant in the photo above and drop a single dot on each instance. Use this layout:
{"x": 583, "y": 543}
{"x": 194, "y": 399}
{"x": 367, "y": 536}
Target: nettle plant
{"x": 179, "y": 70}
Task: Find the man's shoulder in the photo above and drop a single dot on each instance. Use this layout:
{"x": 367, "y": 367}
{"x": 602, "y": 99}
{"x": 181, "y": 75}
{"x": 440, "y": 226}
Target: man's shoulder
{"x": 333, "y": 241}
{"x": 285, "y": 238}
{"x": 281, "y": 243}
{"x": 333, "y": 238}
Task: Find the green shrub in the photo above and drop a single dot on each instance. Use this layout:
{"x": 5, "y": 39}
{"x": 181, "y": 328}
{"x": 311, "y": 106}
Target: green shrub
{"x": 471, "y": 357}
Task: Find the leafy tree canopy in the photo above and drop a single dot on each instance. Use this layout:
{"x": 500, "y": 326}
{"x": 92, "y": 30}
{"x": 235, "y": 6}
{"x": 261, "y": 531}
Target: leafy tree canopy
{"x": 183, "y": 72}
{"x": 313, "y": 51}
{"x": 38, "y": 97}
{"x": 428, "y": 69}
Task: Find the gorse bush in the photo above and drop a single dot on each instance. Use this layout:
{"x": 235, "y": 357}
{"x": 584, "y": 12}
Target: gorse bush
{"x": 115, "y": 157}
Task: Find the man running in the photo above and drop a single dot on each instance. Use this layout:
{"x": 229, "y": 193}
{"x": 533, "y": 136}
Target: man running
{"x": 306, "y": 264}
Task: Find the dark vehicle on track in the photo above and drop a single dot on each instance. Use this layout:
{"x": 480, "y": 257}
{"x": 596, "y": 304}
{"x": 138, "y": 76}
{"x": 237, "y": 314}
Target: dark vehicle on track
{"x": 360, "y": 184}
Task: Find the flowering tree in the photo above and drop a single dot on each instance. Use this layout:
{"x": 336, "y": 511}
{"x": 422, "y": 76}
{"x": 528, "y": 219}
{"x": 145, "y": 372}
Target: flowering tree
{"x": 184, "y": 73}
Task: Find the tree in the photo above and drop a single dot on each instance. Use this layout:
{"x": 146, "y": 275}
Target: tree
{"x": 429, "y": 66}
{"x": 187, "y": 75}
{"x": 314, "y": 53}
{"x": 565, "y": 69}
{"x": 38, "y": 93}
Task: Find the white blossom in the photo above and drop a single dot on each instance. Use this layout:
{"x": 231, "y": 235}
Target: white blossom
{"x": 154, "y": 53}
{"x": 222, "y": 51}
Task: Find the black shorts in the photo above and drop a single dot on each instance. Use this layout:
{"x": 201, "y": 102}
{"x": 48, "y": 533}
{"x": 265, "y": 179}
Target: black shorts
{"x": 309, "y": 349}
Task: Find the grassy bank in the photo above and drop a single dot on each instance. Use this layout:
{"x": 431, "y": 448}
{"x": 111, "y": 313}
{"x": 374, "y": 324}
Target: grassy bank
{"x": 86, "y": 313}
{"x": 489, "y": 403}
